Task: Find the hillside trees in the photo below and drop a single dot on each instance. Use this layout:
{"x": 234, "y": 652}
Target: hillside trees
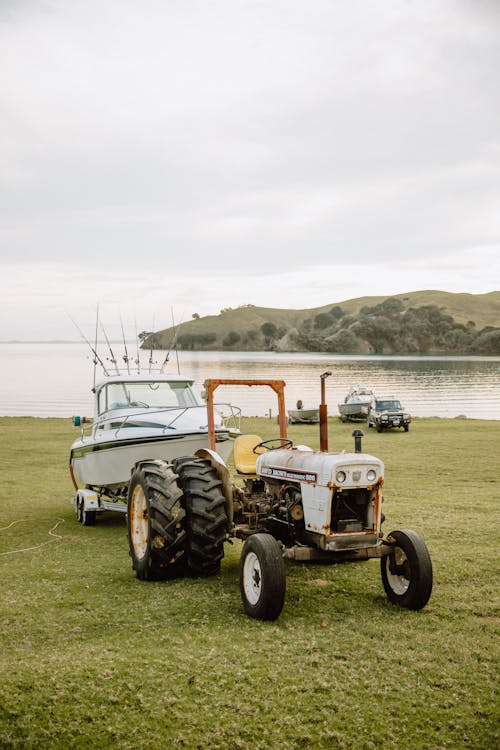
{"x": 393, "y": 326}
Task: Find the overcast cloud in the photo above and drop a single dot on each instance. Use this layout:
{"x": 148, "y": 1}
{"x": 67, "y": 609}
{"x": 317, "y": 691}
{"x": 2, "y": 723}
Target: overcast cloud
{"x": 198, "y": 155}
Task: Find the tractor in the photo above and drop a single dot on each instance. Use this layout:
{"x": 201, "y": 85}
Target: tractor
{"x": 284, "y": 501}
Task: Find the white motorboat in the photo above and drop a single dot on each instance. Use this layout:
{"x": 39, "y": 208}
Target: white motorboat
{"x": 356, "y": 403}
{"x": 139, "y": 417}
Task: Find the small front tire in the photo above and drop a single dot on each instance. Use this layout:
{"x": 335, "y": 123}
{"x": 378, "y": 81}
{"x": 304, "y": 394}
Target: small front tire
{"x": 262, "y": 577}
{"x": 407, "y": 571}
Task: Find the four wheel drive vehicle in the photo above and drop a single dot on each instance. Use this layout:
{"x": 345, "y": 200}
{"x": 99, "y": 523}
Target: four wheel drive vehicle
{"x": 285, "y": 502}
{"x": 384, "y": 413}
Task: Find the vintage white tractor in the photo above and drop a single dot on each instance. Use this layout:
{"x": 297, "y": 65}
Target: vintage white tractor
{"x": 286, "y": 502}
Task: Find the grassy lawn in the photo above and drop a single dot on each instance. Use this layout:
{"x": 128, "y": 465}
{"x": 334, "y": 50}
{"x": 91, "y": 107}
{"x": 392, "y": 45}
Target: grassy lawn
{"x": 93, "y": 658}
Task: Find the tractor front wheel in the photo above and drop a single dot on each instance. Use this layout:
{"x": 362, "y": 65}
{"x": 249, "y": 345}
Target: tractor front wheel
{"x": 262, "y": 577}
{"x": 155, "y": 520}
{"x": 407, "y": 571}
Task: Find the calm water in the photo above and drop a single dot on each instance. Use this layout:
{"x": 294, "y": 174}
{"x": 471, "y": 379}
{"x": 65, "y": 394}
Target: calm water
{"x": 55, "y": 380}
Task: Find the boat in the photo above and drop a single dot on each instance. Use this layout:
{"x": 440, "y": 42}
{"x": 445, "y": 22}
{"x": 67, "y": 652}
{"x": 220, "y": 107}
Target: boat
{"x": 301, "y": 415}
{"x": 356, "y": 403}
{"x": 139, "y": 417}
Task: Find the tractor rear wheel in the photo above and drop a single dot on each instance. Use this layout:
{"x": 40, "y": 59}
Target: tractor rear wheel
{"x": 156, "y": 520}
{"x": 407, "y": 571}
{"x": 262, "y": 577}
{"x": 206, "y": 520}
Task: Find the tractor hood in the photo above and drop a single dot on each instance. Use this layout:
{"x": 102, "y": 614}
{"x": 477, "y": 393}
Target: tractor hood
{"x": 342, "y": 470}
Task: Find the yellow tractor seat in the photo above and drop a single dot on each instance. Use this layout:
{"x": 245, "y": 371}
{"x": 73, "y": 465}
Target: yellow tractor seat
{"x": 244, "y": 457}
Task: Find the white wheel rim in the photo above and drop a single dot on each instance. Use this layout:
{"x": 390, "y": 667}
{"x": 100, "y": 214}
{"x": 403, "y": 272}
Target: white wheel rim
{"x": 399, "y": 583}
{"x": 252, "y": 578}
{"x": 139, "y": 522}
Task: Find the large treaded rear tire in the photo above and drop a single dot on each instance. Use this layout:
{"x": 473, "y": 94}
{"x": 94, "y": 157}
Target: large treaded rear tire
{"x": 155, "y": 520}
{"x": 206, "y": 520}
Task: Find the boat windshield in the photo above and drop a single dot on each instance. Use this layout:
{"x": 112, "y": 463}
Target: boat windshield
{"x": 157, "y": 395}
{"x": 388, "y": 405}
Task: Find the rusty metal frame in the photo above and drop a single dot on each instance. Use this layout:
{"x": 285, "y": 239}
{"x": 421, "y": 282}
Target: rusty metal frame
{"x": 278, "y": 386}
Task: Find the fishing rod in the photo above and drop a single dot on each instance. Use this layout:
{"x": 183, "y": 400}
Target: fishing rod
{"x": 96, "y": 327}
{"x": 112, "y": 357}
{"x": 173, "y": 344}
{"x": 151, "y": 349}
{"x": 125, "y": 357}
{"x": 97, "y": 358}
{"x": 137, "y": 361}
{"x": 175, "y": 341}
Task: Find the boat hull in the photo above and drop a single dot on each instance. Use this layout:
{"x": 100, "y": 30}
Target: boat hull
{"x": 108, "y": 463}
{"x": 305, "y": 416}
{"x": 354, "y": 410}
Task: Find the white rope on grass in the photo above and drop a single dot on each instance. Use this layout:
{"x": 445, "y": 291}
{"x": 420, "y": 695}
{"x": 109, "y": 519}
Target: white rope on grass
{"x": 50, "y": 532}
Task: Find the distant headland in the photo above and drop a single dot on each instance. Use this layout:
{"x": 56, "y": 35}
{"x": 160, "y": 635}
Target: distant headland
{"x": 425, "y": 322}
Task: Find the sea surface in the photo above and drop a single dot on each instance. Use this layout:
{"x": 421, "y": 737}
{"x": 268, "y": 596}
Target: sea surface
{"x": 55, "y": 379}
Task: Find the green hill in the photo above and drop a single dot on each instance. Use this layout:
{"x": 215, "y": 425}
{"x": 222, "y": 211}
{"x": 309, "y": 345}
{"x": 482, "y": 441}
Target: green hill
{"x": 416, "y": 322}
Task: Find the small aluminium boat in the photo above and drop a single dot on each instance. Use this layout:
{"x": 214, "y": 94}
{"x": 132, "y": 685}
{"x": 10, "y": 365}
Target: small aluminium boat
{"x": 356, "y": 403}
{"x": 304, "y": 416}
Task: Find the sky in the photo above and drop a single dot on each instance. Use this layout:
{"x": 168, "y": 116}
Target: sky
{"x": 172, "y": 157}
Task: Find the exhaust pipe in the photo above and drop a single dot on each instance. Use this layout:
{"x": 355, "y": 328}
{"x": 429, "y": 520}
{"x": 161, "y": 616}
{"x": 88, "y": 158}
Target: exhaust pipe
{"x": 323, "y": 416}
{"x": 357, "y": 435}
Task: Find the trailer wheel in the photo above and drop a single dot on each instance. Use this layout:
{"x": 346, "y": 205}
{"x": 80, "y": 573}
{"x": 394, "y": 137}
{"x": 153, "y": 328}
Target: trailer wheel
{"x": 155, "y": 520}
{"x": 262, "y": 577}
{"x": 206, "y": 520}
{"x": 407, "y": 571}
{"x": 85, "y": 517}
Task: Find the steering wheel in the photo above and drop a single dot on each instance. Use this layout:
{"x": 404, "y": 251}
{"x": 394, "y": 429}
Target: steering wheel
{"x": 282, "y": 443}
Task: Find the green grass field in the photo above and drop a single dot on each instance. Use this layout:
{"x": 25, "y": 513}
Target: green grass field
{"x": 91, "y": 657}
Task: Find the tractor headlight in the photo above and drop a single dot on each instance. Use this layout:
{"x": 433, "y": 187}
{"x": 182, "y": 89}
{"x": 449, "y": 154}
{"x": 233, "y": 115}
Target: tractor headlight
{"x": 371, "y": 475}
{"x": 341, "y": 476}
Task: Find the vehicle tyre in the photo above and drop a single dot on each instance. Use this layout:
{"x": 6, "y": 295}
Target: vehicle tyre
{"x": 379, "y": 427}
{"x": 206, "y": 520}
{"x": 406, "y": 427}
{"x": 88, "y": 517}
{"x": 78, "y": 509}
{"x": 407, "y": 571}
{"x": 262, "y": 577}
{"x": 85, "y": 517}
{"x": 155, "y": 520}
